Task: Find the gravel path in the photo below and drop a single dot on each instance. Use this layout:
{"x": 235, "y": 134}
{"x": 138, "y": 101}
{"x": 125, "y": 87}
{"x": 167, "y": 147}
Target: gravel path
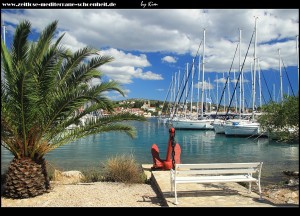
{"x": 97, "y": 194}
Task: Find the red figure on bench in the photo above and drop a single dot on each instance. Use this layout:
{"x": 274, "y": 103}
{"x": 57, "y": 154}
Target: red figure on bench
{"x": 159, "y": 163}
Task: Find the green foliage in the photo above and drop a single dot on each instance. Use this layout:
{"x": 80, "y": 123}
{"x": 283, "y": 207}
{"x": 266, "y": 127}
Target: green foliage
{"x": 42, "y": 88}
{"x": 281, "y": 120}
{"x": 138, "y": 104}
{"x": 124, "y": 169}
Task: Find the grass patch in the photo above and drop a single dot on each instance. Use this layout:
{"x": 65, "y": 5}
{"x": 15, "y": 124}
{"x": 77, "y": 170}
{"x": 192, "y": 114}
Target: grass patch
{"x": 50, "y": 171}
{"x": 124, "y": 168}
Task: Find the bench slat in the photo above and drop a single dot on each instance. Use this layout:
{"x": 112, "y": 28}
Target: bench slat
{"x": 215, "y": 171}
{"x": 215, "y": 179}
{"x": 217, "y": 165}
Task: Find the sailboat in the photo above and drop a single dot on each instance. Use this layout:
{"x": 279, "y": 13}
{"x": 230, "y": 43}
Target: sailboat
{"x": 204, "y": 122}
{"x": 247, "y": 127}
{"x": 219, "y": 122}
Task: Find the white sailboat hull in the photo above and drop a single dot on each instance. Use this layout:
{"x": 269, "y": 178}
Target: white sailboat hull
{"x": 219, "y": 128}
{"x": 243, "y": 129}
{"x": 219, "y": 125}
{"x": 193, "y": 124}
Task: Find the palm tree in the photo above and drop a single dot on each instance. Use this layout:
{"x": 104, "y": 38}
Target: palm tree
{"x": 43, "y": 87}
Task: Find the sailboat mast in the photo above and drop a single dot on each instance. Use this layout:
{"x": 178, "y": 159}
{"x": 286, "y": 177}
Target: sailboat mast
{"x": 217, "y": 93}
{"x": 198, "y": 86}
{"x": 186, "y": 92}
{"x": 224, "y": 94}
{"x": 192, "y": 92}
{"x": 297, "y": 49}
{"x": 171, "y": 98}
{"x": 175, "y": 86}
{"x": 235, "y": 95}
{"x": 178, "y": 87}
{"x": 209, "y": 95}
{"x": 240, "y": 68}
{"x": 259, "y": 82}
{"x": 172, "y": 90}
{"x": 280, "y": 74}
{"x": 228, "y": 88}
{"x": 202, "y": 91}
{"x": 254, "y": 70}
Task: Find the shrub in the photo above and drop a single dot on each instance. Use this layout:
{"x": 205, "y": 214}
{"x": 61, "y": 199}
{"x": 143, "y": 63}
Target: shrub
{"x": 93, "y": 175}
{"x": 124, "y": 168}
{"x": 50, "y": 170}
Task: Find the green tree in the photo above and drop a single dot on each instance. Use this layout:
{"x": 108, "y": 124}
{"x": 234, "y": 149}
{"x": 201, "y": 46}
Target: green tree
{"x": 42, "y": 88}
{"x": 281, "y": 120}
{"x": 138, "y": 104}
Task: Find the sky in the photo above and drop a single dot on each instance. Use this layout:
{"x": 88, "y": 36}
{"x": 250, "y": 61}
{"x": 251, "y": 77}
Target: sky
{"x": 151, "y": 46}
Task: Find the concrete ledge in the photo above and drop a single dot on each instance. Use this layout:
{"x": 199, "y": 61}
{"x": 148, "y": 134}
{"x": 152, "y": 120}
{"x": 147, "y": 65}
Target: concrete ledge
{"x": 204, "y": 195}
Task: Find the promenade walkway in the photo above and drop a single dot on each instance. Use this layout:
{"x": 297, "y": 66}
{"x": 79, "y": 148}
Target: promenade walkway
{"x": 204, "y": 195}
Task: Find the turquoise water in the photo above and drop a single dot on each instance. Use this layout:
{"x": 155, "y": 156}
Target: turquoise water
{"x": 196, "y": 146}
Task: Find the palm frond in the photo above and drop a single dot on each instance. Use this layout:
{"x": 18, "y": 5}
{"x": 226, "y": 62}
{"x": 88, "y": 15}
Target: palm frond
{"x": 6, "y": 64}
{"x": 72, "y": 62}
{"x": 109, "y": 86}
{"x": 43, "y": 87}
{"x": 20, "y": 45}
{"x": 44, "y": 41}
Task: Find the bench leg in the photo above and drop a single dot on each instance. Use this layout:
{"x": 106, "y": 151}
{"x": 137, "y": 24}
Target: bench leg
{"x": 259, "y": 189}
{"x": 172, "y": 187}
{"x": 249, "y": 187}
{"x": 172, "y": 192}
{"x": 176, "y": 202}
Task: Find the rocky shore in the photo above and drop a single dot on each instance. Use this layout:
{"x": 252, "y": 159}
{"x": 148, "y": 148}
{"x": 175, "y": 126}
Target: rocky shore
{"x": 286, "y": 193}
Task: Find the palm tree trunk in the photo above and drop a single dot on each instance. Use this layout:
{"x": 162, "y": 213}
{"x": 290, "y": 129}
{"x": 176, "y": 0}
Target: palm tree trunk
{"x": 26, "y": 178}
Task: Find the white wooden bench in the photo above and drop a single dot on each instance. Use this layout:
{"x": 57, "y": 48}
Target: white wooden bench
{"x": 215, "y": 173}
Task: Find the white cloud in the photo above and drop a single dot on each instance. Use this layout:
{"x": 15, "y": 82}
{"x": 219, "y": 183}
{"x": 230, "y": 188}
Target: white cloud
{"x": 125, "y": 74}
{"x": 220, "y": 80}
{"x": 71, "y": 42}
{"x": 234, "y": 81}
{"x": 174, "y": 31}
{"x": 206, "y": 85}
{"x": 160, "y": 90}
{"x": 127, "y": 66}
{"x": 95, "y": 81}
{"x": 169, "y": 59}
{"x": 147, "y": 75}
{"x": 121, "y": 58}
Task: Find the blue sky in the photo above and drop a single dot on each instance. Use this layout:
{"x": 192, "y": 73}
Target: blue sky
{"x": 150, "y": 46}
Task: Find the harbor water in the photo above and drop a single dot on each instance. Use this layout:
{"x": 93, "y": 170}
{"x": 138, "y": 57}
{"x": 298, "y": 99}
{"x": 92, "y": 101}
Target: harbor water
{"x": 196, "y": 147}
